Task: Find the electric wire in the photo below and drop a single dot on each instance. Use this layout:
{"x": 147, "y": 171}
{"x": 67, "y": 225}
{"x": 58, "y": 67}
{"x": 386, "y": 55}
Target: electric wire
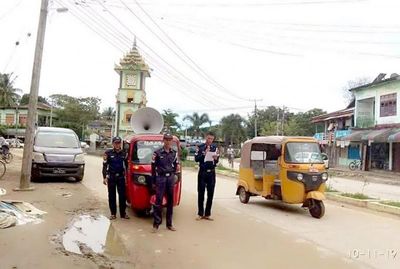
{"x": 100, "y": 33}
{"x": 196, "y": 66}
{"x": 256, "y": 4}
{"x": 166, "y": 44}
{"x": 189, "y": 80}
{"x": 189, "y": 29}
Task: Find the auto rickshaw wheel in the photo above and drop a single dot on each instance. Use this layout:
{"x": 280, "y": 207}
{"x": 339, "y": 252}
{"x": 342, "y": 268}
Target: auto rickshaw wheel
{"x": 244, "y": 196}
{"x": 143, "y": 213}
{"x": 317, "y": 208}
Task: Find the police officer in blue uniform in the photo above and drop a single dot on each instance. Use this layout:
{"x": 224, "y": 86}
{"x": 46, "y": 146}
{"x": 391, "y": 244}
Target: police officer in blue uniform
{"x": 206, "y": 176}
{"x": 164, "y": 167}
{"x": 114, "y": 165}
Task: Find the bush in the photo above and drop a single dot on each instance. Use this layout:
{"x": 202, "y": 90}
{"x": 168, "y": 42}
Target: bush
{"x": 3, "y": 130}
{"x": 357, "y": 195}
{"x": 184, "y": 153}
{"x": 391, "y": 203}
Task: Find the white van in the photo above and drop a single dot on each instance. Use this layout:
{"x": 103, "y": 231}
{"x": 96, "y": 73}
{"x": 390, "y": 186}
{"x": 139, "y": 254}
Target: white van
{"x": 57, "y": 152}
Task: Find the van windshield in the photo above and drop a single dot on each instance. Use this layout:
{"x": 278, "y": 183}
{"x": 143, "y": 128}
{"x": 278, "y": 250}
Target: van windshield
{"x": 298, "y": 152}
{"x": 143, "y": 150}
{"x": 56, "y": 140}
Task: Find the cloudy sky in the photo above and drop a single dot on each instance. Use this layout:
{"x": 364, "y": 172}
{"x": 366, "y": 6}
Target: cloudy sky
{"x": 207, "y": 55}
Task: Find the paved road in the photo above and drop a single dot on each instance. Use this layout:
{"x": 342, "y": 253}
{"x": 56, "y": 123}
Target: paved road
{"x": 376, "y": 190}
{"x": 261, "y": 234}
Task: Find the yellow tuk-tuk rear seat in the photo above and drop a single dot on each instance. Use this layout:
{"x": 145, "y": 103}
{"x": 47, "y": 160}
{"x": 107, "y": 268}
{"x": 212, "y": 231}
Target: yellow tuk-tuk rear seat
{"x": 258, "y": 169}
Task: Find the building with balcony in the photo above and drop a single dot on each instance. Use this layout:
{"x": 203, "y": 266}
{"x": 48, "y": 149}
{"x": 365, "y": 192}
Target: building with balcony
{"x": 331, "y": 127}
{"x": 375, "y": 136}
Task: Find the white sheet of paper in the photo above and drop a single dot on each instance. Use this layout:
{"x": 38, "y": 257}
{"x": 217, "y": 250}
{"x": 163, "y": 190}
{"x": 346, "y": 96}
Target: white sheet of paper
{"x": 209, "y": 156}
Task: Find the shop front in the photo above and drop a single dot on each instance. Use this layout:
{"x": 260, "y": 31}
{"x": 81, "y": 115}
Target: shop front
{"x": 394, "y": 142}
{"x": 385, "y": 151}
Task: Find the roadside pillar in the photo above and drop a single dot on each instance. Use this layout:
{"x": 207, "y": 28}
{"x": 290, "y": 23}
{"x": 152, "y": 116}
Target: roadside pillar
{"x": 390, "y": 156}
{"x": 25, "y": 178}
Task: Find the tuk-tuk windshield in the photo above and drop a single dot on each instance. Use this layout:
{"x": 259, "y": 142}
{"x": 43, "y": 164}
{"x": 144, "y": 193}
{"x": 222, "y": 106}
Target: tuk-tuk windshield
{"x": 143, "y": 150}
{"x": 299, "y": 152}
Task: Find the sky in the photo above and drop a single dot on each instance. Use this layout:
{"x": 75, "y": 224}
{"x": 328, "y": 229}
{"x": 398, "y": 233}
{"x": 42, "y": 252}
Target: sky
{"x": 206, "y": 56}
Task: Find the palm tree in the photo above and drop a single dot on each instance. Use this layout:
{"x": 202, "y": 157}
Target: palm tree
{"x": 232, "y": 128}
{"x": 108, "y": 113}
{"x": 170, "y": 122}
{"x": 8, "y": 94}
{"x": 197, "y": 121}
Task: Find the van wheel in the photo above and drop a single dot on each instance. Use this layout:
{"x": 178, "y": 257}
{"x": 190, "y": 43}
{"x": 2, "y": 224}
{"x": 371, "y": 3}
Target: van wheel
{"x": 78, "y": 179}
{"x": 34, "y": 178}
{"x": 317, "y": 209}
{"x": 244, "y": 196}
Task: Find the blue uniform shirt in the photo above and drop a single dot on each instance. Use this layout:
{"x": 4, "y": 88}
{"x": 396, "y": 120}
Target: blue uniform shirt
{"x": 164, "y": 162}
{"x": 200, "y": 155}
{"x": 114, "y": 162}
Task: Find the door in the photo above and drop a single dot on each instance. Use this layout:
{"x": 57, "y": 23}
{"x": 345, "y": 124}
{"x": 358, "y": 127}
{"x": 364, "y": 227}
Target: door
{"x": 396, "y": 157}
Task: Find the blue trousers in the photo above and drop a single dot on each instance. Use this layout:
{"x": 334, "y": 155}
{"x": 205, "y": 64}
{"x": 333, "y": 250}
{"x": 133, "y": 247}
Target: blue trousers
{"x": 205, "y": 181}
{"x": 116, "y": 183}
{"x": 164, "y": 185}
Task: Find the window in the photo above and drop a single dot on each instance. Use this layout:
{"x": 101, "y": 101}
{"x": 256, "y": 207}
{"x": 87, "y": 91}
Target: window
{"x": 9, "y": 119}
{"x": 388, "y": 105}
{"x": 56, "y": 140}
{"x": 143, "y": 150}
{"x": 128, "y": 117}
{"x": 22, "y": 119}
{"x": 130, "y": 100}
{"x": 298, "y": 152}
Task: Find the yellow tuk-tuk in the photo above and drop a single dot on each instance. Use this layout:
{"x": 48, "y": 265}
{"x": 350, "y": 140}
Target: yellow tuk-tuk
{"x": 289, "y": 169}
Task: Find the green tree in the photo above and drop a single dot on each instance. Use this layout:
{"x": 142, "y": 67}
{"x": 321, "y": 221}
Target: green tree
{"x": 25, "y": 100}
{"x": 75, "y": 113}
{"x": 233, "y": 130}
{"x": 197, "y": 121}
{"x": 300, "y": 124}
{"x": 170, "y": 122}
{"x": 266, "y": 120}
{"x": 268, "y": 128}
{"x": 8, "y": 93}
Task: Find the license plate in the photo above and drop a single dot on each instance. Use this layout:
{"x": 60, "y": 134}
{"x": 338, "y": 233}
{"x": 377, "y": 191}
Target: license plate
{"x": 313, "y": 170}
{"x": 59, "y": 171}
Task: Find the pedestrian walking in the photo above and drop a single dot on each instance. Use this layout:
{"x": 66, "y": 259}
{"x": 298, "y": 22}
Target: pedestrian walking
{"x": 207, "y": 156}
{"x": 164, "y": 167}
{"x": 114, "y": 165}
{"x": 231, "y": 155}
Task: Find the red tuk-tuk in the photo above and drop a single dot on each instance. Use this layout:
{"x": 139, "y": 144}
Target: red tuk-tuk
{"x": 139, "y": 190}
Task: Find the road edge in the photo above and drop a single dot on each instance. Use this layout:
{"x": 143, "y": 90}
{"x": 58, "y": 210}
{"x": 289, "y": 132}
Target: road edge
{"x": 371, "y": 204}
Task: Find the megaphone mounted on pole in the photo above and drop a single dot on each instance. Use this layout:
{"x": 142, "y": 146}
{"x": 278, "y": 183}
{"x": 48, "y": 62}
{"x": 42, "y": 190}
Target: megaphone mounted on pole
{"x": 147, "y": 121}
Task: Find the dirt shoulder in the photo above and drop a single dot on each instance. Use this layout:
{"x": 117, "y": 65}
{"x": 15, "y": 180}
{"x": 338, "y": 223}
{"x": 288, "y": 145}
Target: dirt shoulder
{"x": 40, "y": 245}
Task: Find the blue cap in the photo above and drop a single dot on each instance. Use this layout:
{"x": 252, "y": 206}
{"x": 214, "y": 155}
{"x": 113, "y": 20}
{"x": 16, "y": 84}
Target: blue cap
{"x": 116, "y": 139}
{"x": 167, "y": 136}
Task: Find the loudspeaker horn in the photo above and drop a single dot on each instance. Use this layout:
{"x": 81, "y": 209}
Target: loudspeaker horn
{"x": 147, "y": 121}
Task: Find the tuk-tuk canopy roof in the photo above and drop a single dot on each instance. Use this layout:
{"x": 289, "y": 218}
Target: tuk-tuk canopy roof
{"x": 275, "y": 140}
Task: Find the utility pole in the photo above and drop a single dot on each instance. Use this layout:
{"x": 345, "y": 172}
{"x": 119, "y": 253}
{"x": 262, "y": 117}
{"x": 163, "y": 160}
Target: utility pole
{"x": 277, "y": 121}
{"x": 255, "y": 115}
{"x": 16, "y": 122}
{"x": 117, "y": 120}
{"x": 33, "y": 98}
{"x": 51, "y": 113}
{"x": 112, "y": 127}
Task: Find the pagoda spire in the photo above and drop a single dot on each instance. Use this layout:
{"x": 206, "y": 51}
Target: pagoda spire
{"x": 134, "y": 42}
